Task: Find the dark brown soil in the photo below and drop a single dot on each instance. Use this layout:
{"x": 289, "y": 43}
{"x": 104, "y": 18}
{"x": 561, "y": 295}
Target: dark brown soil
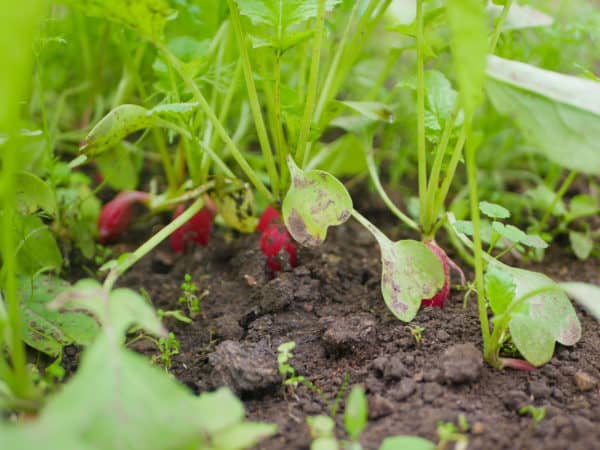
{"x": 330, "y": 305}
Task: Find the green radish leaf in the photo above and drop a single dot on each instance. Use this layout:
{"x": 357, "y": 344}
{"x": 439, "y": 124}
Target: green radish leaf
{"x": 510, "y": 232}
{"x": 406, "y": 443}
{"x": 118, "y": 167}
{"x": 115, "y": 126}
{"x": 242, "y": 435}
{"x": 355, "y": 414}
{"x": 586, "y": 294}
{"x": 410, "y": 273}
{"x": 534, "y": 342}
{"x": 582, "y": 206}
{"x": 119, "y": 309}
{"x": 542, "y": 198}
{"x": 325, "y": 443}
{"x": 494, "y": 211}
{"x": 441, "y": 100}
{"x": 37, "y": 249}
{"x": 582, "y": 244}
{"x": 33, "y": 193}
{"x": 558, "y": 113}
{"x": 46, "y": 330}
{"x": 499, "y": 288}
{"x": 469, "y": 41}
{"x": 174, "y": 108}
{"x": 551, "y": 310}
{"x": 321, "y": 426}
{"x": 520, "y": 16}
{"x": 275, "y": 20}
{"x": 146, "y": 17}
{"x": 316, "y": 200}
{"x": 124, "y": 120}
{"x": 534, "y": 241}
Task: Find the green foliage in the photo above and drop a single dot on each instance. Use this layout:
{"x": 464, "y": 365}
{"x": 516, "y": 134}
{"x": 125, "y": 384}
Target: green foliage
{"x": 537, "y": 414}
{"x": 587, "y": 295}
{"x": 189, "y": 297}
{"x": 276, "y": 22}
{"x": 48, "y": 330}
{"x": 355, "y": 413}
{"x": 316, "y": 200}
{"x": 467, "y": 22}
{"x": 558, "y": 113}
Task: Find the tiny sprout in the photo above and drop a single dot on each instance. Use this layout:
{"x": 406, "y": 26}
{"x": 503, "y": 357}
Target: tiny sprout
{"x": 417, "y": 332}
{"x": 167, "y": 347}
{"x": 537, "y": 414}
{"x": 447, "y": 432}
{"x": 189, "y": 297}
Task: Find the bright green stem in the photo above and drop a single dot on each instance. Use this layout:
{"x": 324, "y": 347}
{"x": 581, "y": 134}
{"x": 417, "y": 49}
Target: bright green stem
{"x": 151, "y": 243}
{"x": 430, "y": 212}
{"x": 503, "y": 321}
{"x": 421, "y": 148}
{"x": 477, "y": 245}
{"x": 381, "y": 238}
{"x": 313, "y": 80}
{"x": 235, "y": 152}
{"x": 20, "y": 382}
{"x": 326, "y": 91}
{"x": 498, "y": 27}
{"x": 261, "y": 130}
{"x": 280, "y": 144}
{"x": 442, "y": 192}
{"x": 386, "y": 199}
{"x": 558, "y": 197}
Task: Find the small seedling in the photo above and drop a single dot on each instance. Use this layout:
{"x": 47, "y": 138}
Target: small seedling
{"x": 537, "y": 414}
{"x": 286, "y": 370}
{"x": 168, "y": 347}
{"x": 417, "y": 332}
{"x": 189, "y": 297}
{"x": 447, "y": 433}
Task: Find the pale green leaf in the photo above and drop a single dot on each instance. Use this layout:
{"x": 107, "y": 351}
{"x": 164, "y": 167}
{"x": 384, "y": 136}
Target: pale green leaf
{"x": 559, "y": 114}
{"x": 243, "y": 435}
{"x": 583, "y": 206}
{"x": 33, "y": 193}
{"x": 315, "y": 201}
{"x": 493, "y": 210}
{"x": 551, "y": 310}
{"x": 582, "y": 244}
{"x": 48, "y": 330}
{"x": 355, "y": 413}
{"x": 118, "y": 167}
{"x": 36, "y": 246}
{"x": 534, "y": 342}
{"x": 499, "y": 288}
{"x": 406, "y": 443}
{"x": 586, "y": 294}
{"x": 469, "y": 42}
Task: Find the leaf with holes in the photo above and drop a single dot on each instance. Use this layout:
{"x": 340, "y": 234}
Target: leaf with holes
{"x": 316, "y": 200}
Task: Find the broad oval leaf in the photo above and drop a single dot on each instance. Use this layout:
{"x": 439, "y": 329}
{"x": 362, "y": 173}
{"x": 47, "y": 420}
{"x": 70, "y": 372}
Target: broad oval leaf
{"x": 34, "y": 193}
{"x": 115, "y": 126}
{"x": 355, "y": 414}
{"x": 551, "y": 310}
{"x": 534, "y": 342}
{"x": 558, "y": 113}
{"x": 406, "y": 443}
{"x": 499, "y": 288}
{"x": 316, "y": 200}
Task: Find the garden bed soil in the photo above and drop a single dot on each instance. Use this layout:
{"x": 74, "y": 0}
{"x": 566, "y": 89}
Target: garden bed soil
{"x": 331, "y": 306}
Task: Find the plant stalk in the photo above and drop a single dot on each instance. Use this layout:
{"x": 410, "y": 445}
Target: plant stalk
{"x": 421, "y": 145}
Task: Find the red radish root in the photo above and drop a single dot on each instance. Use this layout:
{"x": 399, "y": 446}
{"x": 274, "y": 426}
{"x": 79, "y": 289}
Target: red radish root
{"x": 116, "y": 214}
{"x": 275, "y": 239}
{"x": 442, "y": 295}
{"x": 196, "y": 230}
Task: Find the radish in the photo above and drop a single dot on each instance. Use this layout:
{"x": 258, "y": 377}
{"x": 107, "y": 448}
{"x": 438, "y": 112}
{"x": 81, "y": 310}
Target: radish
{"x": 442, "y": 295}
{"x": 198, "y": 229}
{"x": 116, "y": 214}
{"x": 275, "y": 239}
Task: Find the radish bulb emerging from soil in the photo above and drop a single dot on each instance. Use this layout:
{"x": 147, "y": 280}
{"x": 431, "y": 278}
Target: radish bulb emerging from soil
{"x": 198, "y": 229}
{"x": 275, "y": 240}
{"x": 116, "y": 214}
{"x": 442, "y": 295}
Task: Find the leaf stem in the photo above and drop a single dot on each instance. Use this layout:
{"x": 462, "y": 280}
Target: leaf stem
{"x": 498, "y": 26}
{"x": 386, "y": 199}
{"x": 261, "y": 130}
{"x": 381, "y": 238}
{"x": 280, "y": 144}
{"x": 235, "y": 152}
{"x": 313, "y": 80}
{"x": 151, "y": 243}
{"x": 558, "y": 197}
{"x": 421, "y": 145}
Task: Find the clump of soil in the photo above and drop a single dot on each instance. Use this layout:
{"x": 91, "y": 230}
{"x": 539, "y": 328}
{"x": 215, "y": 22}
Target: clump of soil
{"x": 331, "y": 306}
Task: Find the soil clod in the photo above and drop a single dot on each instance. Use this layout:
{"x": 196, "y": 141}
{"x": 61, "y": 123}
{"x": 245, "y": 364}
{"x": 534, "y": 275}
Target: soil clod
{"x": 461, "y": 363}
